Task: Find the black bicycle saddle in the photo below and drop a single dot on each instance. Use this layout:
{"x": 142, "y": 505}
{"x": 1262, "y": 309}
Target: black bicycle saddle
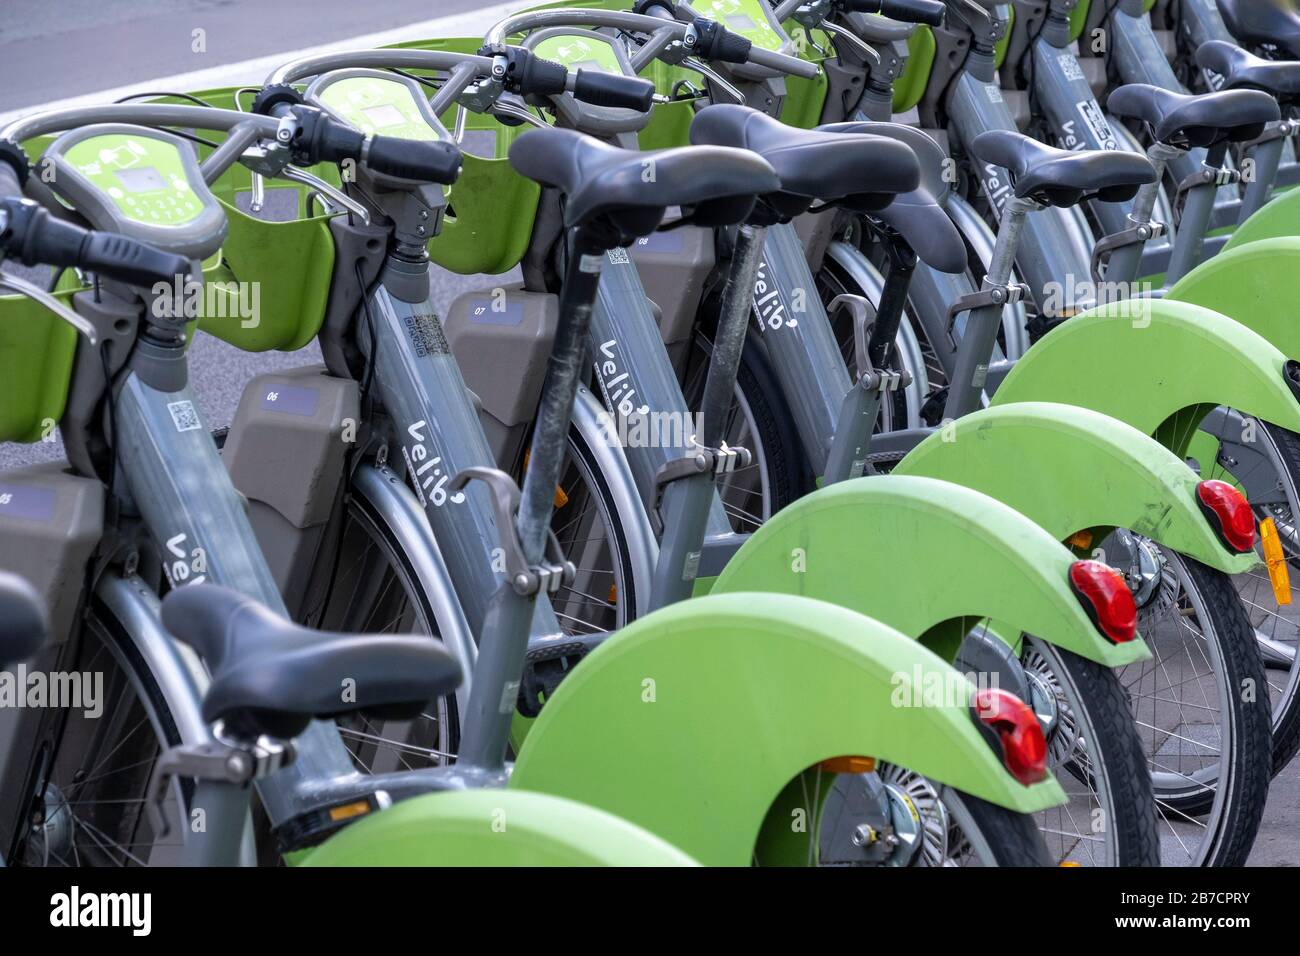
{"x": 1060, "y": 177}
{"x": 270, "y": 676}
{"x": 1263, "y": 23}
{"x": 857, "y": 171}
{"x": 23, "y": 623}
{"x": 918, "y": 216}
{"x": 1242, "y": 70}
{"x": 1188, "y": 121}
{"x": 624, "y": 193}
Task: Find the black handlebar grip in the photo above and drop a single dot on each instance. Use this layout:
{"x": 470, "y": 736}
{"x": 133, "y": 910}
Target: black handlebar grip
{"x": 422, "y": 161}
{"x": 332, "y": 142}
{"x": 37, "y": 238}
{"x": 731, "y": 47}
{"x": 716, "y": 42}
{"x": 611, "y": 89}
{"x": 535, "y": 76}
{"x": 129, "y": 261}
{"x": 929, "y": 12}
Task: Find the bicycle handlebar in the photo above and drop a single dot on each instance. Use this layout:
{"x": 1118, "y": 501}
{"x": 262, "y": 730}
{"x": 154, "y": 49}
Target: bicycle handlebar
{"x": 929, "y": 12}
{"x": 319, "y": 138}
{"x": 530, "y": 75}
{"x": 34, "y": 237}
{"x": 612, "y": 89}
{"x": 638, "y": 23}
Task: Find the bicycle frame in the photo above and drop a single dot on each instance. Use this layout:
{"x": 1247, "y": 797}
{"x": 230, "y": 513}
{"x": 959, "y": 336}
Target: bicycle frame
{"x": 169, "y": 466}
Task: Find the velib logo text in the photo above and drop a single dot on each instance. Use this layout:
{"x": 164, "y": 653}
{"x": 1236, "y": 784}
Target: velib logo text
{"x": 769, "y": 307}
{"x": 74, "y": 690}
{"x": 133, "y": 911}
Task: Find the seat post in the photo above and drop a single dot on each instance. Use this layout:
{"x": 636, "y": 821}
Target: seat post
{"x": 1266, "y": 157}
{"x": 1126, "y": 261}
{"x": 688, "y": 484}
{"x": 503, "y": 642}
{"x": 564, "y": 369}
{"x": 981, "y": 333}
{"x": 1197, "y": 213}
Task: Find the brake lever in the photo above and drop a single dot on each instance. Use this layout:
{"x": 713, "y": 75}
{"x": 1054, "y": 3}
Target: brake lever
{"x": 264, "y": 160}
{"x": 503, "y": 108}
{"x": 41, "y": 296}
{"x": 272, "y": 160}
{"x": 714, "y": 77}
{"x": 860, "y": 46}
{"x": 337, "y": 196}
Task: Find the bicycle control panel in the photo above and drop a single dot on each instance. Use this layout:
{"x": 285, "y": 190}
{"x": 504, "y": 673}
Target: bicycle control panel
{"x": 143, "y": 183}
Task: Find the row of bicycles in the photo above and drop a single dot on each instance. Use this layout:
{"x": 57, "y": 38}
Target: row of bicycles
{"x": 888, "y": 453}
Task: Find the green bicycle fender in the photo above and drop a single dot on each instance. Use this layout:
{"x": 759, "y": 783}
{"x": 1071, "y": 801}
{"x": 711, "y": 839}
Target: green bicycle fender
{"x": 494, "y": 828}
{"x": 691, "y": 721}
{"x": 1146, "y": 361}
{"x": 916, "y": 553}
{"x": 1068, "y": 469}
{"x": 1279, "y": 218}
{"x": 1256, "y": 283}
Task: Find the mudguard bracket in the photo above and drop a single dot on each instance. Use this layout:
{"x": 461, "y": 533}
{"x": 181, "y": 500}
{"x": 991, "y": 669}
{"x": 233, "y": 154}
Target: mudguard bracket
{"x": 991, "y": 295}
{"x": 526, "y": 579}
{"x": 226, "y": 761}
{"x": 719, "y": 461}
{"x": 1139, "y": 233}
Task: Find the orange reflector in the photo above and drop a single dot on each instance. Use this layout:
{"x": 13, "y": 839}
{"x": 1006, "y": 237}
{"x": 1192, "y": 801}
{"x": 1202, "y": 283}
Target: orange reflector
{"x": 561, "y": 499}
{"x": 1081, "y": 540}
{"x": 1275, "y": 559}
{"x": 613, "y": 594}
{"x": 848, "y": 765}
{"x": 1069, "y": 863}
{"x": 349, "y": 810}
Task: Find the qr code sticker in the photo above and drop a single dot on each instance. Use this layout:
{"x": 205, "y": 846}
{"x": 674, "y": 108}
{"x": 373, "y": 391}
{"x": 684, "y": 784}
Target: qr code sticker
{"x": 1070, "y": 67}
{"x": 184, "y": 416}
{"x": 426, "y": 335}
{"x": 618, "y": 256}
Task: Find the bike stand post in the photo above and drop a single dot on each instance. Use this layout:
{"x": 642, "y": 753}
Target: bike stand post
{"x": 876, "y": 376}
{"x": 1201, "y": 187}
{"x": 526, "y": 539}
{"x": 1125, "y": 248}
{"x": 985, "y": 308}
{"x": 1267, "y": 157}
{"x": 685, "y": 486}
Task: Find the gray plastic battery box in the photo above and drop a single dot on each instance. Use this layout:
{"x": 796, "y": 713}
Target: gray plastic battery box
{"x": 50, "y": 524}
{"x": 285, "y": 452}
{"x": 501, "y": 338}
{"x": 674, "y": 265}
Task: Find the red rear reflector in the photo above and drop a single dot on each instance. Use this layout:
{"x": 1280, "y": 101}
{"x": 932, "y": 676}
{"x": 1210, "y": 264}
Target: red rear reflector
{"x": 1024, "y": 748}
{"x": 1106, "y": 598}
{"x": 1230, "y": 512}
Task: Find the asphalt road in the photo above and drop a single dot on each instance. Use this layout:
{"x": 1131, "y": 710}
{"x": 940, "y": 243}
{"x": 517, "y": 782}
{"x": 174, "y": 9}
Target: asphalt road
{"x": 68, "y": 48}
{"x": 61, "y": 48}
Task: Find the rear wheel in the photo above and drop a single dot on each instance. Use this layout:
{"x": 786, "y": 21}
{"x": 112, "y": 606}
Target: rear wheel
{"x": 1200, "y": 709}
{"x": 374, "y": 590}
{"x": 892, "y": 816}
{"x": 1095, "y": 752}
{"x": 1267, "y": 467}
{"x": 90, "y": 806}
